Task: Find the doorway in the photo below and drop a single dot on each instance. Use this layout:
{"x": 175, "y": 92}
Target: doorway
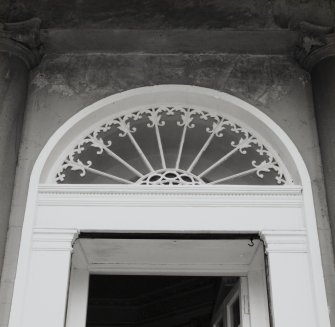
{"x": 165, "y": 301}
{"x": 168, "y": 282}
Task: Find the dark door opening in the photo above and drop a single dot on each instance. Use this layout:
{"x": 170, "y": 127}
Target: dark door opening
{"x": 152, "y": 301}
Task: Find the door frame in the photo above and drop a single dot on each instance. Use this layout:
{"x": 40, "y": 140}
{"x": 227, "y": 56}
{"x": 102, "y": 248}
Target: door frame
{"x": 223, "y": 314}
{"x": 283, "y": 216}
{"x": 252, "y": 276}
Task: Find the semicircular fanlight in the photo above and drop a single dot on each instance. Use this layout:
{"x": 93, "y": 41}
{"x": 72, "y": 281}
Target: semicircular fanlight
{"x": 172, "y": 145}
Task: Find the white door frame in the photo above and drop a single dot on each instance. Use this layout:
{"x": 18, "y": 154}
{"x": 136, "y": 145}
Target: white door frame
{"x": 284, "y": 216}
{"x": 223, "y": 314}
{"x": 251, "y": 272}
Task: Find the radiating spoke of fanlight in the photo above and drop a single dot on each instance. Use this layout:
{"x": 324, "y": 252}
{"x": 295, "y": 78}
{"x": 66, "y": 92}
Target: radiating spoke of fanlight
{"x": 241, "y": 174}
{"x": 139, "y": 150}
{"x": 240, "y": 147}
{"x": 126, "y": 130}
{"x": 160, "y": 146}
{"x": 265, "y": 166}
{"x": 216, "y": 130}
{"x": 186, "y": 123}
{"x": 100, "y": 144}
{"x": 84, "y": 168}
{"x": 155, "y": 121}
{"x": 236, "y": 138}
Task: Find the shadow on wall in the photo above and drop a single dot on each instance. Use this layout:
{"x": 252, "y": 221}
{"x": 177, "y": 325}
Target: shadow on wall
{"x": 166, "y": 14}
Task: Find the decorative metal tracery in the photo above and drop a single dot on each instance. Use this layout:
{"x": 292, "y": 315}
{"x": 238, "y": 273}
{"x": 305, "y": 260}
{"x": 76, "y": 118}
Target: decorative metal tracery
{"x": 172, "y": 146}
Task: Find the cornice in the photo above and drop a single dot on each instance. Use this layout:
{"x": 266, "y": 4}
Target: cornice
{"x": 22, "y": 39}
{"x": 153, "y": 196}
{"x": 171, "y": 41}
{"x": 315, "y": 44}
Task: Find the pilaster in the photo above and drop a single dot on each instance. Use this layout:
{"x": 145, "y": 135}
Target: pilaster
{"x": 20, "y": 51}
{"x": 316, "y": 53}
{"x": 316, "y": 43}
{"x": 290, "y": 280}
{"x": 22, "y": 40}
{"x": 44, "y": 300}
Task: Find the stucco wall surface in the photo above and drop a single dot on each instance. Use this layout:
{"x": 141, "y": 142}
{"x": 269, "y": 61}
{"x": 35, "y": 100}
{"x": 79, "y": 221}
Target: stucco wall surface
{"x": 166, "y": 14}
{"x": 62, "y": 85}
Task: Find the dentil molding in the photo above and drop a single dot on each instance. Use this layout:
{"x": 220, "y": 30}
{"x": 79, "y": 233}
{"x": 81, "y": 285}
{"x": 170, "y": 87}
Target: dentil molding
{"x": 180, "y": 195}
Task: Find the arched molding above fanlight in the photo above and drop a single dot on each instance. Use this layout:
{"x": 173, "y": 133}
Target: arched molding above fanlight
{"x": 53, "y": 211}
{"x": 173, "y": 96}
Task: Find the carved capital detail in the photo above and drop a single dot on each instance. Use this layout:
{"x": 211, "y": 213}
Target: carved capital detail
{"x": 284, "y": 241}
{"x": 54, "y": 239}
{"x": 22, "y": 39}
{"x": 315, "y": 44}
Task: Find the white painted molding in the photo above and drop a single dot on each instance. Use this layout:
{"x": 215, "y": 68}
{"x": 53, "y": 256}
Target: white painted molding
{"x": 151, "y": 196}
{"x": 171, "y": 269}
{"x": 54, "y": 239}
{"x": 63, "y": 139}
{"x": 82, "y": 123}
{"x": 284, "y": 241}
{"x": 79, "y": 259}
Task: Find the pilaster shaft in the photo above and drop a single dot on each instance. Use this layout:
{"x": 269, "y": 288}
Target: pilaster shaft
{"x": 291, "y": 286}
{"x": 43, "y": 302}
{"x": 317, "y": 55}
{"x": 19, "y": 52}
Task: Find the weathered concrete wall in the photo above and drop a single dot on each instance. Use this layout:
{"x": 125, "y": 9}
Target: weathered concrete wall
{"x": 64, "y": 84}
{"x": 166, "y": 14}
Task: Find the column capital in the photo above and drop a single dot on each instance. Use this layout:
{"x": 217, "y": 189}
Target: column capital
{"x": 284, "y": 241}
{"x": 22, "y": 39}
{"x": 316, "y": 43}
{"x": 54, "y": 239}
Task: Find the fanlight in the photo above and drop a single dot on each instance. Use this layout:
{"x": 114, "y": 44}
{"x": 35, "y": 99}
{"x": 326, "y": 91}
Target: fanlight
{"x": 172, "y": 145}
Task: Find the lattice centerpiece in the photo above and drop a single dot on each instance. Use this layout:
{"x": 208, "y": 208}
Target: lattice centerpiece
{"x": 172, "y": 146}
{"x": 170, "y": 177}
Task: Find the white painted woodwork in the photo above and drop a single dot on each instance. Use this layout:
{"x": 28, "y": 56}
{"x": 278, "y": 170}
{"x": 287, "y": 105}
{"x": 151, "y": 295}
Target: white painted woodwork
{"x": 160, "y": 208}
{"x": 223, "y": 315}
{"x": 257, "y": 288}
{"x": 292, "y": 294}
{"x": 171, "y": 257}
{"x": 78, "y": 289}
{"x": 181, "y": 257}
{"x": 81, "y": 160}
{"x": 78, "y": 296}
{"x": 297, "y": 286}
{"x": 244, "y": 304}
{"x": 47, "y": 282}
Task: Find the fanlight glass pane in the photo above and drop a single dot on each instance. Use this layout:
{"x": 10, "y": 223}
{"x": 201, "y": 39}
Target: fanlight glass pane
{"x": 172, "y": 146}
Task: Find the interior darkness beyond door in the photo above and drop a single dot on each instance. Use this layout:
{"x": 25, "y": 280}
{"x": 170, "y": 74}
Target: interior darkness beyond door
{"x": 164, "y": 301}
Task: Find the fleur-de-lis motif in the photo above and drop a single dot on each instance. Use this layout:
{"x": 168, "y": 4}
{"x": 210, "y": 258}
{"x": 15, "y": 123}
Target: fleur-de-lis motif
{"x": 98, "y": 143}
{"x": 155, "y": 118}
{"x": 215, "y": 125}
{"x": 186, "y": 119}
{"x": 123, "y": 124}
{"x": 263, "y": 167}
{"x": 244, "y": 143}
{"x": 218, "y": 126}
{"x": 75, "y": 165}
